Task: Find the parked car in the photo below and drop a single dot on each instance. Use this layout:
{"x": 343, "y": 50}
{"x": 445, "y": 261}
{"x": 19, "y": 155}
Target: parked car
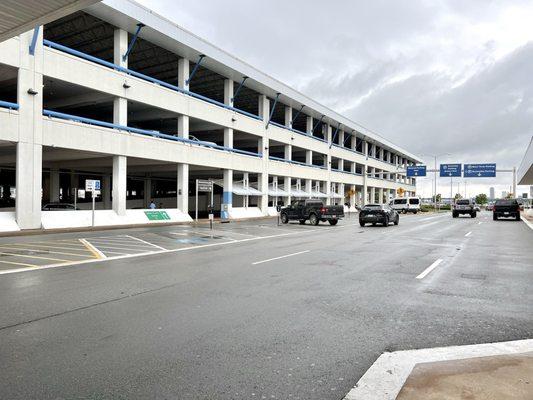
{"x": 378, "y": 214}
{"x": 406, "y": 204}
{"x": 313, "y": 210}
{"x": 59, "y": 207}
{"x": 490, "y": 206}
{"x": 506, "y": 208}
{"x": 464, "y": 206}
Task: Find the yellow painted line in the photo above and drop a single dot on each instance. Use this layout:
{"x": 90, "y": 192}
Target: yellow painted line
{"x": 32, "y": 247}
{"x": 97, "y": 253}
{"x": 16, "y": 263}
{"x": 38, "y": 257}
{"x": 71, "y": 243}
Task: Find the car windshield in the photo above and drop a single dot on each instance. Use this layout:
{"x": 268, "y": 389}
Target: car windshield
{"x": 414, "y": 201}
{"x": 372, "y": 207}
{"x": 463, "y": 202}
{"x": 506, "y": 202}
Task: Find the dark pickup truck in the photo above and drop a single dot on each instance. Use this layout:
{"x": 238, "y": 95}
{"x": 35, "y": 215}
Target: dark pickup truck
{"x": 506, "y": 208}
{"x": 312, "y": 210}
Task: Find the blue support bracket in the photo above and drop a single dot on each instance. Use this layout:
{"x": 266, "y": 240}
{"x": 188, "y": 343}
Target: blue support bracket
{"x": 273, "y": 108}
{"x": 296, "y": 116}
{"x": 347, "y": 136}
{"x": 238, "y": 88}
{"x": 335, "y": 135}
{"x": 34, "y": 40}
{"x": 202, "y": 56}
{"x": 132, "y": 42}
{"x": 319, "y": 121}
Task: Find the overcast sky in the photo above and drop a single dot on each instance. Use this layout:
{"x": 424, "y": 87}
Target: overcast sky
{"x": 435, "y": 76}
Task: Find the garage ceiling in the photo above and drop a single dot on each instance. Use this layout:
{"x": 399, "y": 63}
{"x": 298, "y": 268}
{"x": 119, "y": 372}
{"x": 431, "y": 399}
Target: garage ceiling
{"x": 18, "y": 16}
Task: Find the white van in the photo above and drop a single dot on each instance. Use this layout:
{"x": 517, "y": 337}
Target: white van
{"x": 406, "y": 204}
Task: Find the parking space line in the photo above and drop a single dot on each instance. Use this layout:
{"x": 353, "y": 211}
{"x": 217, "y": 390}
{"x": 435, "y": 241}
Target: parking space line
{"x": 38, "y": 257}
{"x": 148, "y": 243}
{"x": 429, "y": 269}
{"x": 468, "y": 234}
{"x": 280, "y": 257}
{"x": 48, "y": 251}
{"x": 71, "y": 244}
{"x": 104, "y": 246}
{"x": 31, "y": 244}
{"x": 97, "y": 253}
{"x": 17, "y": 263}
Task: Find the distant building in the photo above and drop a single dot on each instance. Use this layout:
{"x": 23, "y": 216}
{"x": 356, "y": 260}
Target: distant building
{"x": 492, "y": 194}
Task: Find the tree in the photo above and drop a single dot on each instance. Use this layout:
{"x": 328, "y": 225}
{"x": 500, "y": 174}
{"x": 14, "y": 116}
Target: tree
{"x": 458, "y": 196}
{"x": 481, "y": 198}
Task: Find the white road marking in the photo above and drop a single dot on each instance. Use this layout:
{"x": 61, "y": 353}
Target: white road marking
{"x": 148, "y": 243}
{"x": 386, "y": 377}
{"x": 479, "y": 223}
{"x": 429, "y": 269}
{"x": 468, "y": 234}
{"x": 92, "y": 248}
{"x": 527, "y": 222}
{"x": 280, "y": 257}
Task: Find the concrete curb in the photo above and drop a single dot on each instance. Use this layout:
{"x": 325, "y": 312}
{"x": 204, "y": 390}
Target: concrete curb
{"x": 385, "y": 378}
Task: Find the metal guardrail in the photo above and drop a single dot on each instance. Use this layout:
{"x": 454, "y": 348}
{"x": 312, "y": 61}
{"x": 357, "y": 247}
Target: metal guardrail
{"x": 139, "y": 75}
{"x": 7, "y": 104}
{"x": 296, "y": 131}
{"x": 90, "y": 121}
{"x": 296, "y": 162}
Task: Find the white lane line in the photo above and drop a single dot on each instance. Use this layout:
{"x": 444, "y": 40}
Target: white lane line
{"x": 429, "y": 269}
{"x": 280, "y": 257}
{"x": 527, "y": 222}
{"x": 480, "y": 222}
{"x": 148, "y": 243}
{"x": 92, "y": 248}
{"x": 468, "y": 234}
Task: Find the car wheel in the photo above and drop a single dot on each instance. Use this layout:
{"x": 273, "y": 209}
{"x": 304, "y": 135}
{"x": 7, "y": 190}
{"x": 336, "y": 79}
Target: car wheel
{"x": 302, "y": 222}
{"x": 415, "y": 212}
{"x": 362, "y": 224}
{"x": 473, "y": 215}
{"x": 517, "y": 217}
{"x": 454, "y": 214}
{"x": 397, "y": 220}
{"x": 373, "y": 224}
{"x": 313, "y": 219}
{"x": 404, "y": 211}
{"x": 333, "y": 221}
{"x": 386, "y": 221}
{"x": 494, "y": 217}
{"x": 284, "y": 219}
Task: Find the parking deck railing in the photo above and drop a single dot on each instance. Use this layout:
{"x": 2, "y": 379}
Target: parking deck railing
{"x": 90, "y": 121}
{"x": 7, "y": 104}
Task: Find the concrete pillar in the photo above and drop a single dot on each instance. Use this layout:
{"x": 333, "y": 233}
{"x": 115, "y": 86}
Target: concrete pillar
{"x": 54, "y": 185}
{"x": 73, "y": 184}
{"x": 327, "y": 185}
{"x": 147, "y": 192}
{"x": 341, "y": 164}
{"x": 309, "y": 186}
{"x": 228, "y": 92}
{"x": 287, "y": 187}
{"x": 183, "y": 73}
{"x": 120, "y": 46}
{"x": 183, "y": 126}
{"x": 227, "y": 194}
{"x": 183, "y": 188}
{"x": 262, "y": 183}
{"x": 288, "y": 152}
{"x": 309, "y": 157}
{"x": 120, "y": 111}
{"x": 29, "y": 148}
{"x": 381, "y": 201}
{"x": 228, "y": 137}
{"x": 264, "y": 107}
{"x": 352, "y": 195}
{"x": 365, "y": 187}
{"x": 106, "y": 192}
{"x": 372, "y": 195}
{"x": 342, "y": 193}
{"x": 340, "y": 134}
{"x": 119, "y": 184}
{"x": 353, "y": 142}
{"x": 288, "y": 116}
{"x": 309, "y": 124}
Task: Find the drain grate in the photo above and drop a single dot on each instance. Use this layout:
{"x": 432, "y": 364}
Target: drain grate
{"x": 474, "y": 276}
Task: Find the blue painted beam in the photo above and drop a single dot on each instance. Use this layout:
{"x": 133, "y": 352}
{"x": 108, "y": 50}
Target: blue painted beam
{"x": 319, "y": 121}
{"x": 132, "y": 42}
{"x": 335, "y": 135}
{"x": 273, "y": 108}
{"x": 297, "y": 114}
{"x": 238, "y": 89}
{"x": 34, "y": 40}
{"x": 202, "y": 56}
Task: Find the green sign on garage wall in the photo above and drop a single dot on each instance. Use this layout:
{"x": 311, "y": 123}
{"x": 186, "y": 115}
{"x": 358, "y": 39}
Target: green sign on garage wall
{"x": 157, "y": 215}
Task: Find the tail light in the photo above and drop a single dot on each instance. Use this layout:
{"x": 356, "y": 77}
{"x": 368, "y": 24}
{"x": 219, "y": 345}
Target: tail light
{"x": 323, "y": 210}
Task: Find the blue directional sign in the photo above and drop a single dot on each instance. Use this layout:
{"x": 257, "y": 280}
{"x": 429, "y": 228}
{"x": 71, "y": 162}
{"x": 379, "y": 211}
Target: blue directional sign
{"x": 416, "y": 170}
{"x": 450, "y": 170}
{"x": 479, "y": 171}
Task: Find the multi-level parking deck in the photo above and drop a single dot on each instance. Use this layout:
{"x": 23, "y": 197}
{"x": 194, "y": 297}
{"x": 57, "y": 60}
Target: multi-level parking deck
{"x": 122, "y": 95}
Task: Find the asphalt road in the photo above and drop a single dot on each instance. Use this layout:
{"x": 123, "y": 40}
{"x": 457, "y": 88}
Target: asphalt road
{"x": 218, "y": 315}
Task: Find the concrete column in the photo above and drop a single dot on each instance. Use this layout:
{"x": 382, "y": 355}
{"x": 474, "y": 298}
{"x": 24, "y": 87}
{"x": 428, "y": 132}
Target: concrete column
{"x": 73, "y": 184}
{"x": 365, "y": 187}
{"x": 264, "y": 107}
{"x": 262, "y": 184}
{"x": 54, "y": 185}
{"x": 147, "y": 192}
{"x": 288, "y": 116}
{"x": 228, "y": 137}
{"x": 120, "y": 111}
{"x": 309, "y": 124}
{"x": 365, "y": 148}
{"x": 326, "y": 130}
{"x": 183, "y": 126}
{"x": 352, "y": 195}
{"x": 341, "y": 164}
{"x": 342, "y": 192}
{"x": 183, "y": 73}
{"x": 381, "y": 196}
{"x": 353, "y": 168}
{"x": 227, "y": 194}
{"x": 228, "y": 92}
{"x": 119, "y": 184}
{"x": 372, "y": 195}
{"x": 353, "y": 142}
{"x": 120, "y": 46}
{"x": 309, "y": 157}
{"x": 29, "y": 148}
{"x": 106, "y": 192}
{"x": 287, "y": 187}
{"x": 183, "y": 188}
{"x": 340, "y": 134}
{"x": 309, "y": 186}
{"x": 288, "y": 152}
{"x": 328, "y": 192}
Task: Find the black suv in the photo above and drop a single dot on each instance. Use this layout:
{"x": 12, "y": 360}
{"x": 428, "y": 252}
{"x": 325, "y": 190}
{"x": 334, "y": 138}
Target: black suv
{"x": 378, "y": 213}
{"x": 312, "y": 210}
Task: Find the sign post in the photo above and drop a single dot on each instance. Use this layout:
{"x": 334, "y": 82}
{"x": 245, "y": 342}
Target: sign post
{"x": 92, "y": 185}
{"x": 205, "y": 186}
{"x": 278, "y": 209}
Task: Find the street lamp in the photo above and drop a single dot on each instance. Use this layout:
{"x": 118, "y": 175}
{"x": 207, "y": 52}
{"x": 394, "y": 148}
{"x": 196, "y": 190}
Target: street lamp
{"x": 435, "y": 175}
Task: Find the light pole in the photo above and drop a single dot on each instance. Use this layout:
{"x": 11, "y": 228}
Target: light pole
{"x": 435, "y": 176}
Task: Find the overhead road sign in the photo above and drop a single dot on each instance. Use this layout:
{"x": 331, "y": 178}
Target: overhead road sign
{"x": 479, "y": 171}
{"x": 416, "y": 170}
{"x": 449, "y": 170}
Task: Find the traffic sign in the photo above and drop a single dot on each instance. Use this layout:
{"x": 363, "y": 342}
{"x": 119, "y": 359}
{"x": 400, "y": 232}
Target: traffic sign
{"x": 205, "y": 186}
{"x": 416, "y": 170}
{"x": 92, "y": 185}
{"x": 479, "y": 171}
{"x": 450, "y": 170}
